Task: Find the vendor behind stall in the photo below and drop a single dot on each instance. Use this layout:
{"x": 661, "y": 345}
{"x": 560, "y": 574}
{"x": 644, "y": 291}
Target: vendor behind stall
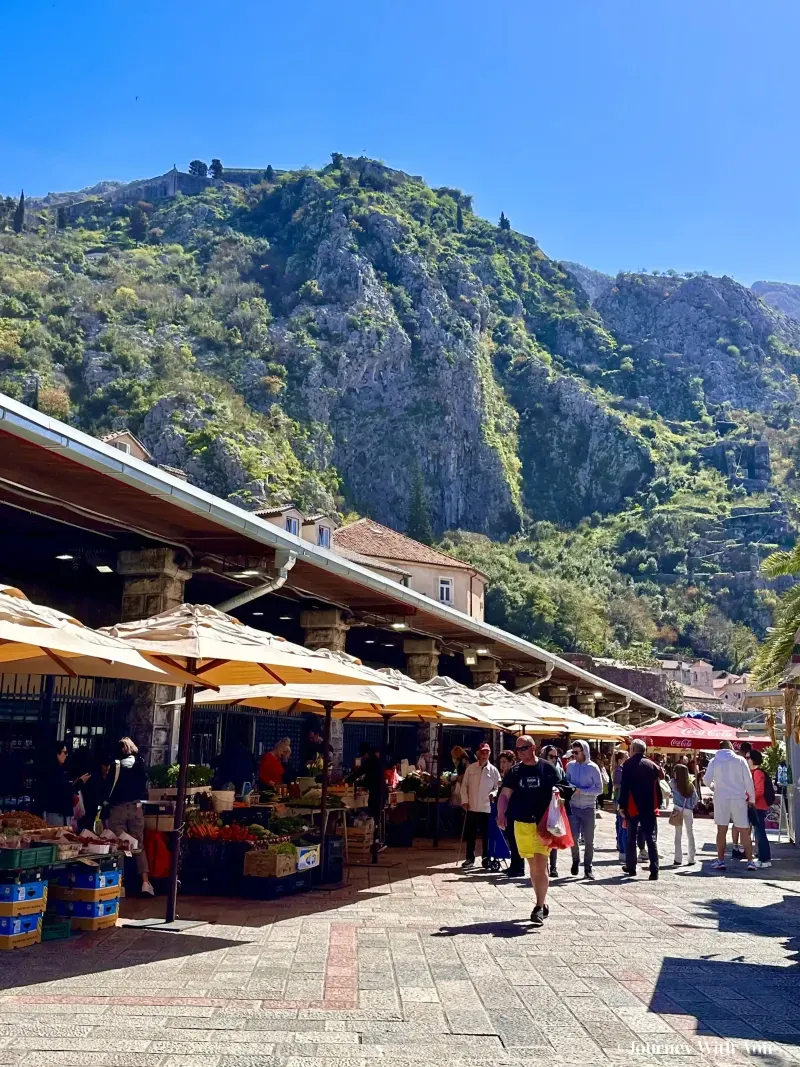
{"x": 370, "y": 774}
{"x": 273, "y": 764}
{"x": 96, "y": 787}
{"x": 54, "y": 787}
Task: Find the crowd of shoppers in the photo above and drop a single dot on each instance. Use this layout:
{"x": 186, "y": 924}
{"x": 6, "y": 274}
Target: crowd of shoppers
{"x": 639, "y": 787}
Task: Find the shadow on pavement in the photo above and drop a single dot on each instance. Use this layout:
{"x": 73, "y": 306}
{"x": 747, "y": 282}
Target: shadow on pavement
{"x": 512, "y": 928}
{"x": 117, "y": 949}
{"x": 734, "y": 998}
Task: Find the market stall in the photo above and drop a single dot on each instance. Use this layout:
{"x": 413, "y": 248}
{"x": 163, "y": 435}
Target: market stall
{"x": 213, "y": 649}
{"x": 54, "y": 883}
{"x": 387, "y": 700}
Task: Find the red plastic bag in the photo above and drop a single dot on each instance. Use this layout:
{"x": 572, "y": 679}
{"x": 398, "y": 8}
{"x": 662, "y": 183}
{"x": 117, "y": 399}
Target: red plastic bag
{"x": 560, "y": 841}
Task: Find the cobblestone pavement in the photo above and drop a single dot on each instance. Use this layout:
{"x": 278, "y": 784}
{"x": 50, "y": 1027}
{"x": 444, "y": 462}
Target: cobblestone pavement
{"x": 415, "y": 960}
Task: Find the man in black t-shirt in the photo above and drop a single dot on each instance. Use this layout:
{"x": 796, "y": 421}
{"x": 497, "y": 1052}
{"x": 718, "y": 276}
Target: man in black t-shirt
{"x": 525, "y": 794}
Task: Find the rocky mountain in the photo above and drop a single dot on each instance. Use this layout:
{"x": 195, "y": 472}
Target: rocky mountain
{"x": 781, "y": 295}
{"x": 601, "y": 446}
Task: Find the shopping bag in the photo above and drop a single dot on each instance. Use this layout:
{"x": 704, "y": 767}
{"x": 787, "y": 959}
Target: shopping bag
{"x": 556, "y": 812}
{"x": 556, "y": 819}
{"x": 676, "y": 818}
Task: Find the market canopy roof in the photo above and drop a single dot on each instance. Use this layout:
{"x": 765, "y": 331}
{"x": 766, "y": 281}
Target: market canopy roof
{"x": 35, "y": 639}
{"x": 216, "y": 649}
{"x": 64, "y": 476}
{"x": 355, "y": 703}
{"x": 695, "y": 734}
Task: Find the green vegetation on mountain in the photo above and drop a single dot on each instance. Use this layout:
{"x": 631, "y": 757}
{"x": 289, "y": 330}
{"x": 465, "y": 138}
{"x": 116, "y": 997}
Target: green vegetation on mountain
{"x": 619, "y": 455}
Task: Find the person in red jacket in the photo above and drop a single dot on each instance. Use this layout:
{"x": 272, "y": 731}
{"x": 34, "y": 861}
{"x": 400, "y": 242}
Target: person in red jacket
{"x": 273, "y": 764}
{"x": 758, "y": 812}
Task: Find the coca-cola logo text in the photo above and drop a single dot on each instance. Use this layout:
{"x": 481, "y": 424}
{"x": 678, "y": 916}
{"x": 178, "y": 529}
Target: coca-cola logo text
{"x": 680, "y": 742}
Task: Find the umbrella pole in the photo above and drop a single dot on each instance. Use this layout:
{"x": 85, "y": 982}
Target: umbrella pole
{"x": 439, "y": 743}
{"x": 378, "y": 837}
{"x": 180, "y": 799}
{"x": 326, "y": 745}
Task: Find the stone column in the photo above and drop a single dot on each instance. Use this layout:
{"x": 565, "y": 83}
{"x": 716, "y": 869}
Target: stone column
{"x": 586, "y": 703}
{"x": 558, "y": 695}
{"x": 324, "y": 628}
{"x": 153, "y": 582}
{"x": 422, "y": 658}
{"x": 485, "y": 672}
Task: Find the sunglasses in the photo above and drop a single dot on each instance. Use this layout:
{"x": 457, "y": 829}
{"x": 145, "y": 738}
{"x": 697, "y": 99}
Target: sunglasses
{"x": 552, "y": 756}
{"x": 521, "y": 748}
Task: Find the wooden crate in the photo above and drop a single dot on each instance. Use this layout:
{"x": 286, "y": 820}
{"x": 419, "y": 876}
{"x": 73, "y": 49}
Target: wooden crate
{"x": 269, "y": 864}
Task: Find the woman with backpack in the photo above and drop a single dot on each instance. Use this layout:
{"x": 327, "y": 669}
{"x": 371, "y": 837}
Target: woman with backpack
{"x": 765, "y": 798}
{"x": 685, "y": 800}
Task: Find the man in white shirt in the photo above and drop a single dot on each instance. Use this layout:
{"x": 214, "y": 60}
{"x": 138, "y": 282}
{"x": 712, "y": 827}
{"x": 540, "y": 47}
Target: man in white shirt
{"x": 730, "y": 778}
{"x": 481, "y": 779}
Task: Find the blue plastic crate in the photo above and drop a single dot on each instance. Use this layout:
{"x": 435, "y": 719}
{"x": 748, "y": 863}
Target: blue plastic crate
{"x": 16, "y": 892}
{"x": 84, "y": 877}
{"x": 19, "y": 924}
{"x": 83, "y": 909}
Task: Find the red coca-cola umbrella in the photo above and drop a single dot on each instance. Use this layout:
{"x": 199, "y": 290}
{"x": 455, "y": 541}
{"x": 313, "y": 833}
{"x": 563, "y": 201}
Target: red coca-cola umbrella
{"x": 686, "y": 733}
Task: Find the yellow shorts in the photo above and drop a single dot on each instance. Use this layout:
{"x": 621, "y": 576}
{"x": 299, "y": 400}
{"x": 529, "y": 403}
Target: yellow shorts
{"x": 528, "y": 841}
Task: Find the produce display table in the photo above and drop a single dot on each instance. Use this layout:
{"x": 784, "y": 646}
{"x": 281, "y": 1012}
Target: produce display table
{"x": 254, "y": 852}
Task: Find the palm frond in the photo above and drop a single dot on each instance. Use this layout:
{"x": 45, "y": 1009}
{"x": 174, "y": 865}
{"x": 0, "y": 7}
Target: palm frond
{"x": 775, "y": 653}
{"x": 780, "y": 564}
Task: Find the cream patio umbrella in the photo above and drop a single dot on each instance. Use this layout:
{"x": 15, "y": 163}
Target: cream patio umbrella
{"x": 504, "y": 708}
{"x": 213, "y": 649}
{"x": 35, "y": 639}
{"x": 394, "y": 699}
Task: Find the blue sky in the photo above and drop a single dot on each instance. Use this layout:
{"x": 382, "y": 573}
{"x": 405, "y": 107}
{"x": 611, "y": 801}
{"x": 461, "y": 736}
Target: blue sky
{"x": 621, "y": 133}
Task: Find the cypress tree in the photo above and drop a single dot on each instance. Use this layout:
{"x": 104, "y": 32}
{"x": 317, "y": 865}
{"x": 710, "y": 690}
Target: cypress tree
{"x": 459, "y": 219}
{"x": 419, "y": 523}
{"x": 504, "y": 223}
{"x": 19, "y": 214}
{"x": 61, "y": 218}
{"x": 270, "y": 174}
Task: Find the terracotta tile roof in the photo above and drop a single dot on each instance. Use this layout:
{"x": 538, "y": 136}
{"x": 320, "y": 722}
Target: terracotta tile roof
{"x": 278, "y": 509}
{"x": 370, "y": 561}
{"x": 369, "y": 538}
{"x": 110, "y": 438}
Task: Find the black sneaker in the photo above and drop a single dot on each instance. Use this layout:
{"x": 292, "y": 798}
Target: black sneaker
{"x": 737, "y": 854}
{"x": 629, "y": 872}
{"x": 654, "y": 876}
{"x": 589, "y": 874}
{"x": 467, "y": 863}
{"x": 553, "y": 872}
{"x": 515, "y": 872}
{"x": 575, "y": 868}
{"x": 537, "y": 916}
{"x": 546, "y": 911}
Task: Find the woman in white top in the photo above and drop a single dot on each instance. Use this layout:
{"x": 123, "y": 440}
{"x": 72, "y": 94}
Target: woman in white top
{"x": 685, "y": 800}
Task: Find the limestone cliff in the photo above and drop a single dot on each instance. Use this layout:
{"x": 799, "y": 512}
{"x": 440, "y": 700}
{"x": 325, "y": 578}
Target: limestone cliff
{"x": 329, "y": 336}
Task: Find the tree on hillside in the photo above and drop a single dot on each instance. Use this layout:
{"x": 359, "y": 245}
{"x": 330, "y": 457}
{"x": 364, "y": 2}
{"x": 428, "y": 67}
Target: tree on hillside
{"x": 216, "y": 169}
{"x": 504, "y": 223}
{"x": 198, "y": 168}
{"x": 419, "y": 523}
{"x": 19, "y": 214}
{"x": 775, "y": 653}
{"x": 460, "y": 219}
{"x": 61, "y": 217}
{"x": 270, "y": 174}
{"x": 138, "y": 226}
{"x": 337, "y": 159}
{"x": 7, "y": 205}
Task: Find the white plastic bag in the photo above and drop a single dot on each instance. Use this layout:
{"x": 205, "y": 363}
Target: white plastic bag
{"x": 556, "y": 823}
